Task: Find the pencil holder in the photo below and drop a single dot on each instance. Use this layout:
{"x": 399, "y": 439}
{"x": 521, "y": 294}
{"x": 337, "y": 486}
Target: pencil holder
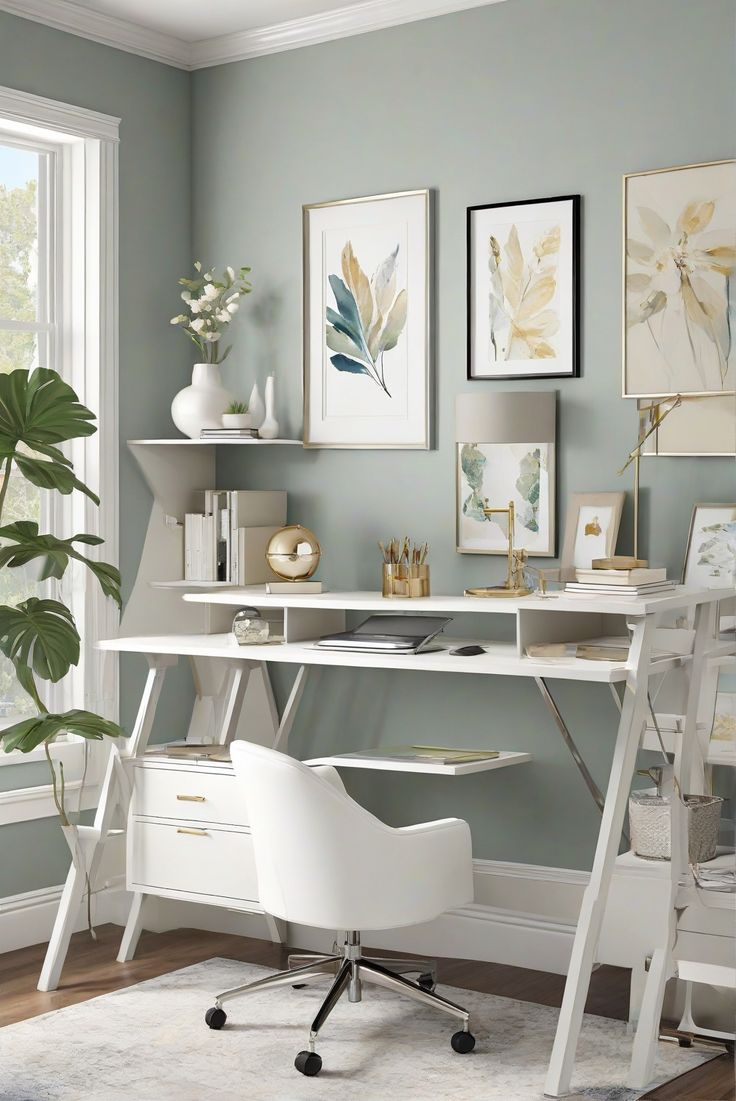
{"x": 418, "y": 580}
{"x": 395, "y": 581}
{"x": 402, "y": 580}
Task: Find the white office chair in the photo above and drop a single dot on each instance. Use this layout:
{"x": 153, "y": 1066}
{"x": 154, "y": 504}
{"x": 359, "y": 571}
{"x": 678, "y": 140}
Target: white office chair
{"x": 323, "y": 860}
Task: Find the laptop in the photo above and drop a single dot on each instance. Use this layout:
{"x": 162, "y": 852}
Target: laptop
{"x": 386, "y": 633}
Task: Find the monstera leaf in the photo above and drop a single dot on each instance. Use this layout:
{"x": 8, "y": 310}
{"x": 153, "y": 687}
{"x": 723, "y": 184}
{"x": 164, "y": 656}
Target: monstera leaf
{"x": 30, "y": 733}
{"x": 39, "y": 635}
{"x": 28, "y": 544}
{"x": 38, "y": 410}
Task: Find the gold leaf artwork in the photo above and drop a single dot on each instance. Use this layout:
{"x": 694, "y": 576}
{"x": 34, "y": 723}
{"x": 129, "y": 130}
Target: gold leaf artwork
{"x": 522, "y": 313}
{"x": 593, "y": 527}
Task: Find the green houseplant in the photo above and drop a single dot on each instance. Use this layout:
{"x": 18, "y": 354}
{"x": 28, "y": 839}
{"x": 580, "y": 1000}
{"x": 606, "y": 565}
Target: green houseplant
{"x": 39, "y": 412}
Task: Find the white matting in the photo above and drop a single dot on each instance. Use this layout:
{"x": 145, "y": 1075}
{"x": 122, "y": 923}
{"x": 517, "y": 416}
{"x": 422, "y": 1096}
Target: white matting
{"x": 149, "y": 1043}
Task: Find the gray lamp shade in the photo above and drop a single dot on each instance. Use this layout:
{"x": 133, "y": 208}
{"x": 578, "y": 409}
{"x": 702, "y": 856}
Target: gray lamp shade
{"x": 525, "y": 416}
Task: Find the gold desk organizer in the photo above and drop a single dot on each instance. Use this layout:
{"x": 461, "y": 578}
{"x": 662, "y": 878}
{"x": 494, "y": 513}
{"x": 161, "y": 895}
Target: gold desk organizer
{"x": 514, "y": 584}
{"x": 402, "y": 579}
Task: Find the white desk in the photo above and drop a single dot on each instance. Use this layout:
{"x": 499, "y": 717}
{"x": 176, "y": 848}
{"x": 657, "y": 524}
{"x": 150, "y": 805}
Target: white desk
{"x": 564, "y": 618}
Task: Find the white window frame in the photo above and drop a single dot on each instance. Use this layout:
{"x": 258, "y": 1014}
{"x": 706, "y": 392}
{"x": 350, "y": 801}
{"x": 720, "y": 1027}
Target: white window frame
{"x": 85, "y": 144}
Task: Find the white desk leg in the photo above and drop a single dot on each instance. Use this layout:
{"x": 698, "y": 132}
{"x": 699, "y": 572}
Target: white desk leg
{"x": 633, "y": 716}
{"x": 133, "y": 929}
{"x": 66, "y": 917}
{"x": 281, "y": 740}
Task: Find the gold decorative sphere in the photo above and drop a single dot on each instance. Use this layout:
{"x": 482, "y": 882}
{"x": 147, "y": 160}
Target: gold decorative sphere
{"x": 293, "y": 553}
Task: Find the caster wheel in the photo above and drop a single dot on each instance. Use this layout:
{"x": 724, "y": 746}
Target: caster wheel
{"x": 463, "y": 1042}
{"x": 298, "y": 986}
{"x": 309, "y": 1063}
{"x": 684, "y": 1041}
{"x": 426, "y": 982}
{"x": 215, "y": 1017}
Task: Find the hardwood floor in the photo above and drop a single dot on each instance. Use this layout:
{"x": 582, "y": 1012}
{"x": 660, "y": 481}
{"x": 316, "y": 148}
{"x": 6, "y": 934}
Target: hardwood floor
{"x": 91, "y": 970}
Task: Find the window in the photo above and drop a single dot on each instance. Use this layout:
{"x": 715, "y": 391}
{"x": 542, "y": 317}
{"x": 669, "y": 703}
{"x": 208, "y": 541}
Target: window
{"x": 28, "y": 339}
{"x": 58, "y": 309}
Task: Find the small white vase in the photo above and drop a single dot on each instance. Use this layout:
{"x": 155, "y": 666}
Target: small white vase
{"x": 202, "y": 404}
{"x": 269, "y": 430}
{"x": 256, "y": 408}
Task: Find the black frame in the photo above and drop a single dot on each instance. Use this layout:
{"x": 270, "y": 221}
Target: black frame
{"x": 576, "y": 204}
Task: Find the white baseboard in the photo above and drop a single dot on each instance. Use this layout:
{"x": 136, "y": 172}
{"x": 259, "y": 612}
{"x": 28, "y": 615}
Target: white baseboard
{"x": 28, "y": 918}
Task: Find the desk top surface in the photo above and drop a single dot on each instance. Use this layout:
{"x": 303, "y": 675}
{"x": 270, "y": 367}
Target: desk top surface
{"x": 358, "y": 600}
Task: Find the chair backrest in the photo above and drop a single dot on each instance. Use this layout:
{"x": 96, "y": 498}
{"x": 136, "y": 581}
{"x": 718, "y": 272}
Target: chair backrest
{"x": 317, "y": 851}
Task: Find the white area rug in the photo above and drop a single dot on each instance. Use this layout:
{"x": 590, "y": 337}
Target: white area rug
{"x": 150, "y": 1043}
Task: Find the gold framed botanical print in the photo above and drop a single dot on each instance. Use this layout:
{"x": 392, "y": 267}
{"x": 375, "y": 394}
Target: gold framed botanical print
{"x": 679, "y": 256}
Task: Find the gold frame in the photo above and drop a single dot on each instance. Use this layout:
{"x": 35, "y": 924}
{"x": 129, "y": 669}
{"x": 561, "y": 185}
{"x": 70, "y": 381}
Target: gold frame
{"x": 615, "y": 499}
{"x": 426, "y": 445}
{"x": 628, "y": 176}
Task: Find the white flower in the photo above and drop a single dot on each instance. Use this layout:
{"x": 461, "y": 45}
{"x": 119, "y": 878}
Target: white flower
{"x": 231, "y": 272}
{"x": 194, "y": 306}
{"x": 211, "y": 337}
{"x": 223, "y": 316}
{"x": 206, "y": 307}
{"x": 178, "y": 319}
{"x": 209, "y": 291}
{"x": 186, "y": 296}
{"x": 232, "y": 307}
{"x": 198, "y": 265}
{"x": 233, "y": 297}
{"x": 198, "y": 325}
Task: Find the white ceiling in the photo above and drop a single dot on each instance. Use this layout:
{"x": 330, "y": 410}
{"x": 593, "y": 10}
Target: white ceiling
{"x": 194, "y": 20}
{"x": 194, "y": 34}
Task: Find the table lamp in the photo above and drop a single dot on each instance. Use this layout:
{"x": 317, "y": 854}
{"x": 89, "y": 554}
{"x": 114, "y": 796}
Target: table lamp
{"x": 650, "y": 418}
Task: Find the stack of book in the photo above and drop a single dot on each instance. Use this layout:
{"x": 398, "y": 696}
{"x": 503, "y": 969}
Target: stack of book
{"x": 637, "y": 582}
{"x": 227, "y": 540}
{"x": 229, "y": 434}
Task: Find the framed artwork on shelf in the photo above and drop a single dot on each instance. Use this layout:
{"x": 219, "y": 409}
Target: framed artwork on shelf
{"x": 523, "y": 289}
{"x": 679, "y": 255}
{"x": 723, "y": 735}
{"x": 367, "y": 322}
{"x": 710, "y": 558}
{"x": 501, "y": 472}
{"x": 591, "y": 530}
{"x": 706, "y": 426}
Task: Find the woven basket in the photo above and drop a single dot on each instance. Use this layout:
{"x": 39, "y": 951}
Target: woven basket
{"x": 649, "y": 820}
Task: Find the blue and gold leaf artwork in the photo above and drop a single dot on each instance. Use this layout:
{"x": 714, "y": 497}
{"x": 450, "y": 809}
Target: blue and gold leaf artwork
{"x": 370, "y": 317}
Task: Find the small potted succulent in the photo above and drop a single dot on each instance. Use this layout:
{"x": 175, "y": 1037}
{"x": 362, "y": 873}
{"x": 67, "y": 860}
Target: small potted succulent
{"x": 237, "y": 416}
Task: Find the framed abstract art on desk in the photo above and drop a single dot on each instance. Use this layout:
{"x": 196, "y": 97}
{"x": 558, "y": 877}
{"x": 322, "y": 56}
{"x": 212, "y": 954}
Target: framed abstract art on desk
{"x": 366, "y": 322}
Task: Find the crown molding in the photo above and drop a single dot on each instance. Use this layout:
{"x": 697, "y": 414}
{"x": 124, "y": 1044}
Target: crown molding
{"x": 25, "y": 109}
{"x": 62, "y": 15}
{"x": 370, "y": 15}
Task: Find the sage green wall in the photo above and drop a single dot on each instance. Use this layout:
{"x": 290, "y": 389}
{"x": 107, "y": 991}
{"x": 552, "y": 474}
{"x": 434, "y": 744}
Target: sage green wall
{"x": 523, "y": 99}
{"x": 153, "y": 102}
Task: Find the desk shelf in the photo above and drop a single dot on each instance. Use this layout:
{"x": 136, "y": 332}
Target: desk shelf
{"x": 499, "y": 659}
{"x": 504, "y": 759}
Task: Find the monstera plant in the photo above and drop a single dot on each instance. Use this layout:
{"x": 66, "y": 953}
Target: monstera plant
{"x": 39, "y": 412}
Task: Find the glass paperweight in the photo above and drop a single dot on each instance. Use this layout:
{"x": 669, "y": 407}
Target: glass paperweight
{"x": 249, "y": 627}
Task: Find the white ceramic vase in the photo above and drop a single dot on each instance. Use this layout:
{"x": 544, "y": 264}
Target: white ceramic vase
{"x": 202, "y": 404}
{"x": 269, "y": 430}
{"x": 256, "y": 408}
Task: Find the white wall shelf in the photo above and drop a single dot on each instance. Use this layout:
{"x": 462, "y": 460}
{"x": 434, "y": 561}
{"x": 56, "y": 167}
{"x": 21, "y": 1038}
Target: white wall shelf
{"x": 184, "y": 442}
{"x": 346, "y": 760}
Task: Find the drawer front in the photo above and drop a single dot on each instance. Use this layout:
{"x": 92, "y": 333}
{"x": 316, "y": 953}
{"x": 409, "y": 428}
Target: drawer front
{"x": 193, "y": 859}
{"x": 186, "y": 793}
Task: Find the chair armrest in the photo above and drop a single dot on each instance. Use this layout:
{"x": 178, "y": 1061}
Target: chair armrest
{"x": 331, "y": 775}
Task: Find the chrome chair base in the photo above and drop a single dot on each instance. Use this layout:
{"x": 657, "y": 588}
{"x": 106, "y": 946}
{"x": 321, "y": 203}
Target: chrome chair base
{"x": 349, "y": 971}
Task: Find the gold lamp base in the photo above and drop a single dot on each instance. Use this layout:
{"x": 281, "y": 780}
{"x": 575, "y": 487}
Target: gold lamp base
{"x": 620, "y": 562}
{"x": 498, "y": 591}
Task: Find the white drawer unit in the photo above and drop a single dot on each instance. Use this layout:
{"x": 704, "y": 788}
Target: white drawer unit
{"x": 191, "y": 792}
{"x": 191, "y": 859}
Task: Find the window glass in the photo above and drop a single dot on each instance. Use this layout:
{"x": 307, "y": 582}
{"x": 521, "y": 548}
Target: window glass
{"x": 19, "y": 233}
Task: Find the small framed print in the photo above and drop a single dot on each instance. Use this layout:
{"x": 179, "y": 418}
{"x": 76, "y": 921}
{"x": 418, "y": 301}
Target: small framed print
{"x": 522, "y": 289}
{"x": 501, "y": 472}
{"x": 710, "y": 559}
{"x": 591, "y": 530}
{"x": 366, "y": 322}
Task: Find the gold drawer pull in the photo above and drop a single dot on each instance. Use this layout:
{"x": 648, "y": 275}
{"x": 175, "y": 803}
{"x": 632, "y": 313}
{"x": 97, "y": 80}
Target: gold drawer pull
{"x": 191, "y": 798}
{"x": 192, "y": 833}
